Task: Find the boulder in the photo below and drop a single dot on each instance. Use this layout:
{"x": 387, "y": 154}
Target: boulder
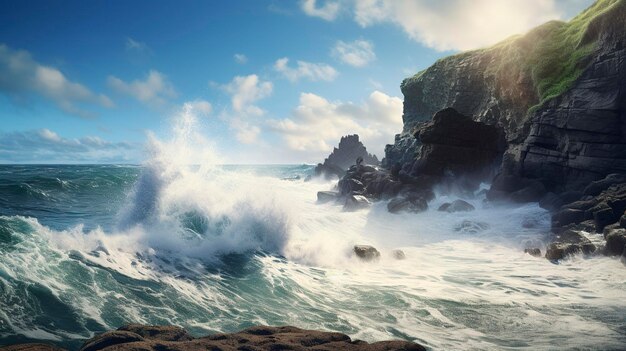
{"x": 598, "y": 186}
{"x": 111, "y": 338}
{"x": 456, "y": 206}
{"x": 568, "y": 243}
{"x": 366, "y": 252}
{"x": 615, "y": 242}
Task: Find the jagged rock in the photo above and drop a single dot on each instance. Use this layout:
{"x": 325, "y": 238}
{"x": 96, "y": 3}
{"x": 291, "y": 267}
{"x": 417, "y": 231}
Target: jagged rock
{"x": 615, "y": 242}
{"x": 366, "y": 252}
{"x": 456, "y": 206}
{"x": 535, "y": 252}
{"x": 597, "y": 187}
{"x": 402, "y": 204}
{"x": 350, "y": 186}
{"x": 398, "y": 254}
{"x": 259, "y": 338}
{"x": 568, "y": 243}
{"x": 356, "y": 202}
{"x": 343, "y": 156}
{"x": 472, "y": 227}
{"x": 328, "y": 196}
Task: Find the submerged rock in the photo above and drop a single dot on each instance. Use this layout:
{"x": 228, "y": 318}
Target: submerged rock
{"x": 398, "y": 254}
{"x": 472, "y": 227}
{"x": 535, "y": 252}
{"x": 356, "y": 202}
{"x": 366, "y": 252}
{"x": 456, "y": 206}
{"x": 327, "y": 196}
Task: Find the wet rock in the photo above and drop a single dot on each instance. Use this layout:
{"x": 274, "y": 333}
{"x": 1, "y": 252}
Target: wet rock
{"x": 398, "y": 254}
{"x": 356, "y": 202}
{"x": 568, "y": 216}
{"x": 259, "y": 338}
{"x": 615, "y": 242}
{"x": 568, "y": 243}
{"x": 472, "y": 227}
{"x": 349, "y": 186}
{"x": 31, "y": 347}
{"x": 327, "y": 196}
{"x": 403, "y": 204}
{"x": 597, "y": 187}
{"x": 456, "y": 206}
{"x": 366, "y": 252}
{"x": 157, "y": 332}
{"x": 535, "y": 252}
{"x": 111, "y": 338}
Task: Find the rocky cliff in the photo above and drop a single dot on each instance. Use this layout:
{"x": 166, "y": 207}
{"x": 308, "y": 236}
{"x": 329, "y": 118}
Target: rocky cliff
{"x": 558, "y": 92}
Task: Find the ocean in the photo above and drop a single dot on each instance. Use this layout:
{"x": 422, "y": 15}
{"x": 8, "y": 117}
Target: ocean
{"x": 89, "y": 248}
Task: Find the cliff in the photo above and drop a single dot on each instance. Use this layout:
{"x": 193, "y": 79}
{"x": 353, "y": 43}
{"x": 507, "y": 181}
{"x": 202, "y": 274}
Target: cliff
{"x": 558, "y": 92}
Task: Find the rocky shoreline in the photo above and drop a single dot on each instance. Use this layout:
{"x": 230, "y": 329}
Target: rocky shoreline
{"x": 137, "y": 337}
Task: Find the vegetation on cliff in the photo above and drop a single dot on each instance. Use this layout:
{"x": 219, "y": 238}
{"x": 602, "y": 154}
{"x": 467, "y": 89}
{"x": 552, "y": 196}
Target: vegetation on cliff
{"x": 553, "y": 55}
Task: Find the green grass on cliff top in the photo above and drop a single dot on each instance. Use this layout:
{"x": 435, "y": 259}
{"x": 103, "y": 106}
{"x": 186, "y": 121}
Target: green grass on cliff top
{"x": 554, "y": 54}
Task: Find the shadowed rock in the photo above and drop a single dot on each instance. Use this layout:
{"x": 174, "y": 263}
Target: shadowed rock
{"x": 456, "y": 206}
{"x": 366, "y": 252}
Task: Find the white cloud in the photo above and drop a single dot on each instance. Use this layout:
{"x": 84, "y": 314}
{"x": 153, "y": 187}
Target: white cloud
{"x": 200, "y": 107}
{"x": 46, "y": 146}
{"x": 245, "y": 91}
{"x": 240, "y": 58}
{"x": 447, "y": 25}
{"x": 357, "y": 53}
{"x": 317, "y": 124}
{"x": 155, "y": 89}
{"x": 311, "y": 71}
{"x": 21, "y": 75}
{"x": 328, "y": 11}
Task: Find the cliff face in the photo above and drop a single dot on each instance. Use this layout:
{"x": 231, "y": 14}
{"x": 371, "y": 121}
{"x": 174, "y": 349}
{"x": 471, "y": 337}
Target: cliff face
{"x": 558, "y": 92}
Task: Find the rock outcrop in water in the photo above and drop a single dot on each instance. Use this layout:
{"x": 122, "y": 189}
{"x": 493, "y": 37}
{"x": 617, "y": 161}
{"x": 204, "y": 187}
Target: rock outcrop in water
{"x": 343, "y": 156}
{"x": 161, "y": 338}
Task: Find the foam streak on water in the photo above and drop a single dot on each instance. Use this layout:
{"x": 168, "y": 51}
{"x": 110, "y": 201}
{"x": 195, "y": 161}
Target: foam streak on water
{"x": 222, "y": 248}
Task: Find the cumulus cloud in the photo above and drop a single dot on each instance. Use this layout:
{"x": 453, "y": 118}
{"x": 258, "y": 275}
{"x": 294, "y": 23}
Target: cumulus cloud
{"x": 155, "y": 89}
{"x": 358, "y": 53}
{"x": 240, "y": 58}
{"x": 21, "y": 75}
{"x": 200, "y": 107}
{"x": 311, "y": 71}
{"x": 452, "y": 24}
{"x": 245, "y": 91}
{"x": 316, "y": 125}
{"x": 327, "y": 11}
{"x": 46, "y": 146}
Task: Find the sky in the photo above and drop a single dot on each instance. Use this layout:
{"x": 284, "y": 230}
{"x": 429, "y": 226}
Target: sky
{"x": 269, "y": 81}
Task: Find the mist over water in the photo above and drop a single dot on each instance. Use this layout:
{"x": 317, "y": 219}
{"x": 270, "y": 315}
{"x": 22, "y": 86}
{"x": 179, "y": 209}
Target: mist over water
{"x": 181, "y": 240}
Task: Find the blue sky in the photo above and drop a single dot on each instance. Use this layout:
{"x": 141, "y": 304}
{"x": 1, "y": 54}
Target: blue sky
{"x": 270, "y": 81}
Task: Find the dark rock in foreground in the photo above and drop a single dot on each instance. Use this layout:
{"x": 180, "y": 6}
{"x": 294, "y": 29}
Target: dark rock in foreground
{"x": 456, "y": 206}
{"x": 533, "y": 252}
{"x": 161, "y": 338}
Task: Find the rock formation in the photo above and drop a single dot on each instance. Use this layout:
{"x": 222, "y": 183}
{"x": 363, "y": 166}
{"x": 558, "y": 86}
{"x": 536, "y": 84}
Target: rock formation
{"x": 159, "y": 338}
{"x": 344, "y": 155}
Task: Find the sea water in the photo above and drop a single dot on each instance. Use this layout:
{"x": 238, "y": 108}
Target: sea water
{"x": 182, "y": 240}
